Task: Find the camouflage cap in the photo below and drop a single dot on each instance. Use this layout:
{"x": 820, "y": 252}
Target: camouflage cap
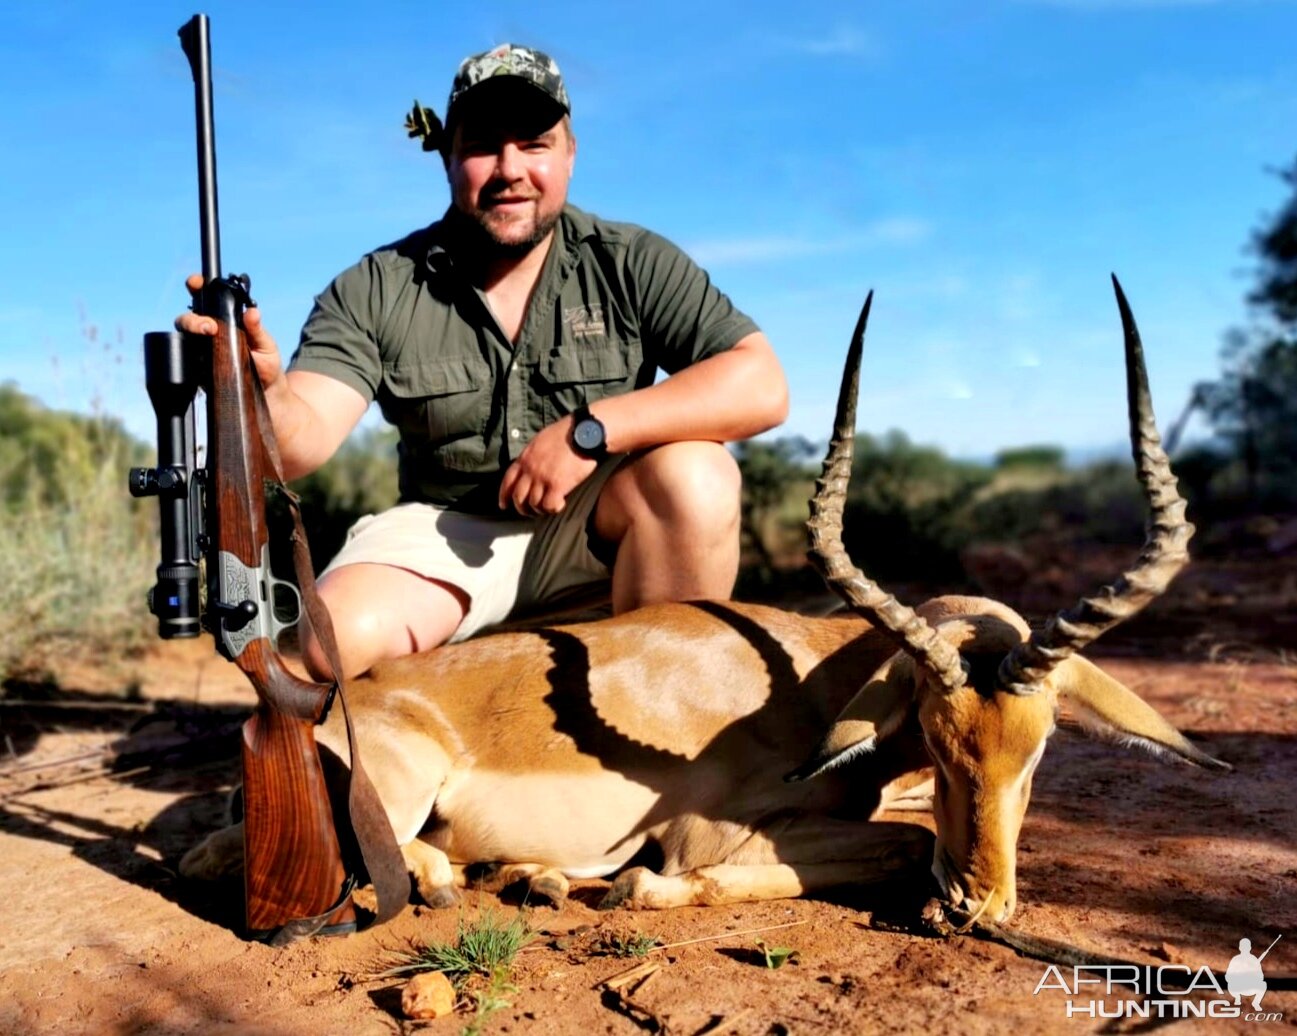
{"x": 525, "y": 63}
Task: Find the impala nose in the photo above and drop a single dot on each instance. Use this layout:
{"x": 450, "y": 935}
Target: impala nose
{"x": 992, "y": 908}
{"x": 964, "y": 908}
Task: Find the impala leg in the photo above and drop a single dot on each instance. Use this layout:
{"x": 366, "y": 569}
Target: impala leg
{"x": 816, "y": 853}
{"x": 219, "y": 855}
{"x": 433, "y": 875}
{"x": 546, "y": 883}
{"x": 917, "y": 798}
{"x": 543, "y": 882}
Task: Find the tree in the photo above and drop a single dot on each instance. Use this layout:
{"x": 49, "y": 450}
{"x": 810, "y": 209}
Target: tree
{"x": 1253, "y": 406}
{"x": 359, "y": 479}
{"x": 776, "y": 479}
{"x": 1277, "y": 245}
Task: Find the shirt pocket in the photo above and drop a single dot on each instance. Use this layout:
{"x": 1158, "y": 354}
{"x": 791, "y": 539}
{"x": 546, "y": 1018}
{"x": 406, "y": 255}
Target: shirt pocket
{"x": 441, "y": 408}
{"x": 581, "y": 372}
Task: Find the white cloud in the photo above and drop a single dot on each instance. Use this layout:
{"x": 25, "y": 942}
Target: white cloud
{"x": 841, "y": 41}
{"x": 895, "y": 230}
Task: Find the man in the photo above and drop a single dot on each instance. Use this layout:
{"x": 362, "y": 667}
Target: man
{"x": 515, "y": 343}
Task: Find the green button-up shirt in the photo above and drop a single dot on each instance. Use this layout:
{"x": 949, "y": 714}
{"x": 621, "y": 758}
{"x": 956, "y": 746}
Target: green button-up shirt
{"x": 614, "y": 304}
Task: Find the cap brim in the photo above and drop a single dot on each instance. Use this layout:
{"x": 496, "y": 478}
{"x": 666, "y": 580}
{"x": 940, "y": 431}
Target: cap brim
{"x": 507, "y": 97}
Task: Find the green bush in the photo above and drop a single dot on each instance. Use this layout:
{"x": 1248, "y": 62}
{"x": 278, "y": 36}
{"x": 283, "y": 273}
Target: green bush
{"x": 1049, "y": 457}
{"x": 77, "y": 554}
{"x": 360, "y": 479}
{"x": 900, "y": 508}
{"x": 911, "y": 511}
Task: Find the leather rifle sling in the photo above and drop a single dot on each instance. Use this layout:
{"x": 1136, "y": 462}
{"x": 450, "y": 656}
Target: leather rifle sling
{"x": 369, "y": 822}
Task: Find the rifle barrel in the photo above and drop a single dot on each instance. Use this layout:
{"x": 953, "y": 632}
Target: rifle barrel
{"x": 195, "y": 38}
{"x": 1269, "y": 948}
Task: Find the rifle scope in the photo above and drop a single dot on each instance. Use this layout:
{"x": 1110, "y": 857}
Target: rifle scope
{"x": 177, "y": 481}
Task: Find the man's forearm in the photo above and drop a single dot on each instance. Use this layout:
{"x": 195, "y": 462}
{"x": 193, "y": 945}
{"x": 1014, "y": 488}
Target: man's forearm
{"x": 734, "y": 395}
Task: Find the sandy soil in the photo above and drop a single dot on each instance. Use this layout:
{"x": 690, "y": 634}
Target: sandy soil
{"x": 1121, "y": 855}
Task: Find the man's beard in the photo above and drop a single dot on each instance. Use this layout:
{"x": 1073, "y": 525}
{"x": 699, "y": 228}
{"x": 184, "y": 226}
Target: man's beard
{"x": 486, "y": 240}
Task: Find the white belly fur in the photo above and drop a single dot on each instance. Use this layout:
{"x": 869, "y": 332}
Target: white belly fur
{"x": 585, "y": 826}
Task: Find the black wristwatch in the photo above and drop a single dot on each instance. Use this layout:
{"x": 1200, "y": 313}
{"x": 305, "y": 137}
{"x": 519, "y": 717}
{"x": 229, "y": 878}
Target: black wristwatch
{"x": 588, "y": 436}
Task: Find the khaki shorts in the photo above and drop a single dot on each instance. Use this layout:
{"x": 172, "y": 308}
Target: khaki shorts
{"x": 506, "y": 565}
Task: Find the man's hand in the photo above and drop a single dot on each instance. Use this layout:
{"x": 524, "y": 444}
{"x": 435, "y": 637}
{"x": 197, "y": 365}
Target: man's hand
{"x": 265, "y": 353}
{"x": 546, "y": 471}
{"x": 311, "y": 413}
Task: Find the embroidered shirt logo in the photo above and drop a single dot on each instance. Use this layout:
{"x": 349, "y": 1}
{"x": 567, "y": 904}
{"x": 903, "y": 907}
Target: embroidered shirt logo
{"x": 585, "y": 321}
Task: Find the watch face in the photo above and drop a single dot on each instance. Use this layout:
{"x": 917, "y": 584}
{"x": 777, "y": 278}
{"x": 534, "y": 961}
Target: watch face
{"x": 588, "y": 434}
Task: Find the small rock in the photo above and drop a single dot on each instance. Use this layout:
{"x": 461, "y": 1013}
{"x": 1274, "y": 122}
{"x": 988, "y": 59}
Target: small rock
{"x": 1168, "y": 952}
{"x": 428, "y": 995}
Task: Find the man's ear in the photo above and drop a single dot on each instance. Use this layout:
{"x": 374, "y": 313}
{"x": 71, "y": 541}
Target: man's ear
{"x": 874, "y": 713}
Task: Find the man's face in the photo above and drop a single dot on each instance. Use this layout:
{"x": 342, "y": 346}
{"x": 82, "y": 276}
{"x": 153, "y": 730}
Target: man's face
{"x": 509, "y": 167}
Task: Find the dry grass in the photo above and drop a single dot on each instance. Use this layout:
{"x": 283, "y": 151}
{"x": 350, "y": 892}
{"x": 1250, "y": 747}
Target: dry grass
{"x": 74, "y": 572}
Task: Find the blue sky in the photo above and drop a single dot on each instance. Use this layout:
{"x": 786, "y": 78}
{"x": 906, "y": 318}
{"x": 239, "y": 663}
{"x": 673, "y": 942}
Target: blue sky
{"x": 983, "y": 166}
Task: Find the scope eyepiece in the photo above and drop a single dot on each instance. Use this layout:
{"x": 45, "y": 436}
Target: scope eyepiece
{"x": 174, "y": 600}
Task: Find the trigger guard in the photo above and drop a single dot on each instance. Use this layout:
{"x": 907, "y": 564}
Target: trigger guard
{"x": 277, "y": 626}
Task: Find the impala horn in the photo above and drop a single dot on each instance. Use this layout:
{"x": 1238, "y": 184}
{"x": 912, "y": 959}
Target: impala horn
{"x": 1164, "y": 555}
{"x": 910, "y": 631}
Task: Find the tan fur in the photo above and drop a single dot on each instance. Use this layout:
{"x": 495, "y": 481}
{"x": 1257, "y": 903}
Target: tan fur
{"x": 568, "y": 750}
{"x": 673, "y": 727}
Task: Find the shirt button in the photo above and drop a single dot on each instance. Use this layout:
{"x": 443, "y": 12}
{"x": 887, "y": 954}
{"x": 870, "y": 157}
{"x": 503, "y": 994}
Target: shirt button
{"x": 514, "y": 433}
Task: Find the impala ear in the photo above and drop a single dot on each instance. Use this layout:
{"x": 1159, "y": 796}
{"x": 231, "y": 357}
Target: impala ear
{"x": 874, "y": 713}
{"x": 1103, "y": 705}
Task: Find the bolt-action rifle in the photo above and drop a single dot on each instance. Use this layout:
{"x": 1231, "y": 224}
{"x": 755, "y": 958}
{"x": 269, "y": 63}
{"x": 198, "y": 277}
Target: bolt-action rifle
{"x": 298, "y": 879}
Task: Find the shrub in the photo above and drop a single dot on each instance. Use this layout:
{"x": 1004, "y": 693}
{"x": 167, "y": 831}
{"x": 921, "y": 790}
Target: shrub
{"x": 77, "y": 554}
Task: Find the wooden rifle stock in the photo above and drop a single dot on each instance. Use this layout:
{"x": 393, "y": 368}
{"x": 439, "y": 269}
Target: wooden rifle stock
{"x": 295, "y": 879}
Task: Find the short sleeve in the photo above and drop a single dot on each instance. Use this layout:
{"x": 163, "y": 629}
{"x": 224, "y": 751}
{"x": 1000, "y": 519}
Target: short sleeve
{"x": 683, "y": 316}
{"x": 340, "y": 338}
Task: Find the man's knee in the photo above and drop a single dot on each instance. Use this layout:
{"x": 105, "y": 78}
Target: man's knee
{"x": 377, "y": 612}
{"x": 361, "y": 634}
{"x": 695, "y": 484}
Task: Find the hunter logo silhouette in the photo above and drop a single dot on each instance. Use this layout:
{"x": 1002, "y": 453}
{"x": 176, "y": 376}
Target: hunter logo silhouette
{"x": 1244, "y": 976}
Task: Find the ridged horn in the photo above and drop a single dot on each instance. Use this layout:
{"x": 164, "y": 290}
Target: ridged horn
{"x": 1165, "y": 543}
{"x": 826, "y": 552}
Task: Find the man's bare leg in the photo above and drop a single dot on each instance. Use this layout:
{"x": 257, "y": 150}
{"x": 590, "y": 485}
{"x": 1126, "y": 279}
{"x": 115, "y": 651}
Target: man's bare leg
{"x": 379, "y": 612}
{"x": 674, "y": 512}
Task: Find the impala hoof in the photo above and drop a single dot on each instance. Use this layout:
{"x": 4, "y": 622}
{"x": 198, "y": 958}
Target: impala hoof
{"x": 440, "y": 896}
{"x": 553, "y": 890}
{"x": 218, "y": 856}
{"x": 628, "y": 891}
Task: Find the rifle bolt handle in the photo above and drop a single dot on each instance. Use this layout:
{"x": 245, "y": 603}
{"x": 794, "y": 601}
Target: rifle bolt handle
{"x": 237, "y": 616}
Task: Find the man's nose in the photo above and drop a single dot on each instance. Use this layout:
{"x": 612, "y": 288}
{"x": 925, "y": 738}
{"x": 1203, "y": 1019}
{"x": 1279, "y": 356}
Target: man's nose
{"x": 508, "y": 162}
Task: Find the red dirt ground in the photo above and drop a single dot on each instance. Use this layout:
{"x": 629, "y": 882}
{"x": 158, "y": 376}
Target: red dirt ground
{"x": 1120, "y": 854}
